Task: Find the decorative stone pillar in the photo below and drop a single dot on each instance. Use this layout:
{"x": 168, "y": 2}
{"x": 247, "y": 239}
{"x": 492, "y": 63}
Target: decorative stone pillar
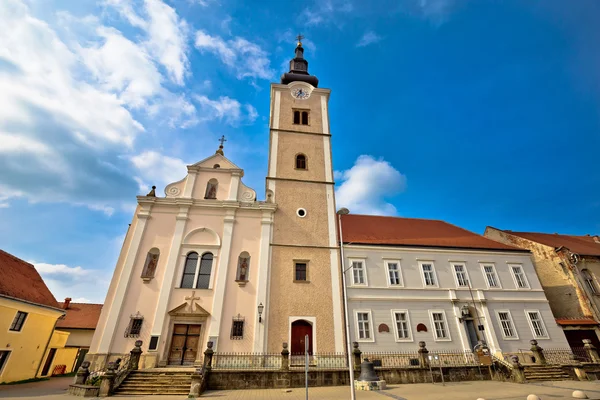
{"x": 195, "y": 388}
{"x": 591, "y": 350}
{"x": 518, "y": 371}
{"x": 108, "y": 381}
{"x": 134, "y": 357}
{"x": 82, "y": 373}
{"x": 285, "y": 358}
{"x": 423, "y": 355}
{"x": 538, "y": 352}
{"x": 356, "y": 352}
{"x": 208, "y": 356}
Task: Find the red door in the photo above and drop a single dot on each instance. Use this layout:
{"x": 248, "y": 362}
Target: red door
{"x": 300, "y": 329}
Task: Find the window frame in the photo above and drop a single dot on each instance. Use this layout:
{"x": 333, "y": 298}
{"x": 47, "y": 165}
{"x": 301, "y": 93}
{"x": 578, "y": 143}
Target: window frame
{"x": 590, "y": 281}
{"x": 307, "y": 114}
{"x": 512, "y": 323}
{"x": 514, "y": 276}
{"x": 17, "y": 319}
{"x": 446, "y": 325}
{"x": 386, "y": 266}
{"x": 239, "y": 320}
{"x": 410, "y": 337}
{"x": 294, "y": 114}
{"x": 197, "y": 269}
{"x": 433, "y": 271}
{"x": 5, "y": 363}
{"x": 371, "y": 339}
{"x": 547, "y": 336}
{"x": 364, "y": 269}
{"x": 487, "y": 283}
{"x": 466, "y": 272}
{"x": 305, "y": 162}
{"x": 306, "y": 263}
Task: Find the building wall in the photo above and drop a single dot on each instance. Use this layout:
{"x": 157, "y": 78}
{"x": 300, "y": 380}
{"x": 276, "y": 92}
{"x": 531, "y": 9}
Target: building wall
{"x": 79, "y": 337}
{"x": 379, "y": 298}
{"x": 63, "y": 356}
{"x": 27, "y": 346}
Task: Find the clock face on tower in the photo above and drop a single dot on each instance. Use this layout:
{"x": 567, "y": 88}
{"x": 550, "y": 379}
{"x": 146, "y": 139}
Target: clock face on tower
{"x": 300, "y": 93}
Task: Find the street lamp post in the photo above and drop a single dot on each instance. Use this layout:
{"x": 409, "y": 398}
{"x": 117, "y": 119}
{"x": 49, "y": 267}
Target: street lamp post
{"x": 344, "y": 211}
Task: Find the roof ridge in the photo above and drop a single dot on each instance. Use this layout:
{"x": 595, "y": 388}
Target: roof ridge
{"x": 17, "y": 258}
{"x": 395, "y": 217}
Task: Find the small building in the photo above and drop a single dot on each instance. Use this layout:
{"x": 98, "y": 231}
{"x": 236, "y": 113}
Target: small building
{"x": 568, "y": 267}
{"x": 410, "y": 280}
{"x": 80, "y": 322}
{"x": 28, "y": 315}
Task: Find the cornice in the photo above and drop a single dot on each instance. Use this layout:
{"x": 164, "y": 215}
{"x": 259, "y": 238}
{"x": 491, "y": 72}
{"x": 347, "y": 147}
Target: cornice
{"x": 299, "y": 132}
{"x": 203, "y": 203}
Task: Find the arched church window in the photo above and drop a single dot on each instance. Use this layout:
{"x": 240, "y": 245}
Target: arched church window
{"x": 304, "y": 117}
{"x": 211, "y": 189}
{"x": 205, "y": 269}
{"x": 151, "y": 264}
{"x": 189, "y": 270}
{"x": 589, "y": 281}
{"x": 300, "y": 161}
{"x": 296, "y": 117}
{"x": 243, "y": 267}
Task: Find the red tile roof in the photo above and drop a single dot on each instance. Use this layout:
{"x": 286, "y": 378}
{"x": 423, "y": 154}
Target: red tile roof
{"x": 576, "y": 321}
{"x": 583, "y": 245}
{"x": 80, "y": 316}
{"x": 370, "y": 229}
{"x": 20, "y": 280}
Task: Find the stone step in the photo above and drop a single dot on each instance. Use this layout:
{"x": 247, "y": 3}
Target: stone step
{"x": 145, "y": 393}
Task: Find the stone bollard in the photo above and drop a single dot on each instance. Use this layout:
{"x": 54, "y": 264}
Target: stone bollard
{"x": 82, "y": 373}
{"x": 578, "y": 394}
{"x": 423, "y": 355}
{"x": 134, "y": 356}
{"x": 208, "y": 356}
{"x": 518, "y": 371}
{"x": 196, "y": 383}
{"x": 533, "y": 397}
{"x": 356, "y": 353}
{"x": 538, "y": 352}
{"x": 285, "y": 358}
{"x": 108, "y": 381}
{"x": 591, "y": 350}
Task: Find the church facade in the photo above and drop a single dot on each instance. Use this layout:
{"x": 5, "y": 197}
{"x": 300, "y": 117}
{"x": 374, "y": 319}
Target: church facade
{"x": 209, "y": 262}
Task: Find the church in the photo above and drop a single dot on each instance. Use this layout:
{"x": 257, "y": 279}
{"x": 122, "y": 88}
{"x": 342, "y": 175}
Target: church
{"x": 208, "y": 261}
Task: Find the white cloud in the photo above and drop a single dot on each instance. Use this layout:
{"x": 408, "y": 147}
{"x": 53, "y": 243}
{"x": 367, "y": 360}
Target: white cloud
{"x": 437, "y": 11}
{"x": 225, "y": 109}
{"x": 85, "y": 285}
{"x": 247, "y": 59}
{"x": 324, "y": 12}
{"x": 366, "y": 186}
{"x": 157, "y": 169}
{"x": 167, "y": 34}
{"x": 368, "y": 38}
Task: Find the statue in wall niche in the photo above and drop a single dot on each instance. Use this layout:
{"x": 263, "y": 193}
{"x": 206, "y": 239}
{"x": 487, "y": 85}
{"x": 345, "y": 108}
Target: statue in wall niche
{"x": 150, "y": 268}
{"x": 211, "y": 190}
{"x": 243, "y": 269}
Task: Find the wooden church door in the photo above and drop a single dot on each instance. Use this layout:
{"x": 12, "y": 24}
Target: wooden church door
{"x": 300, "y": 329}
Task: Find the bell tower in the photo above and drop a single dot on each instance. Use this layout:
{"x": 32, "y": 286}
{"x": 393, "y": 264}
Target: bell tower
{"x": 304, "y": 288}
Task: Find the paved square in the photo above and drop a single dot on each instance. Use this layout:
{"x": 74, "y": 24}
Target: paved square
{"x": 56, "y": 388}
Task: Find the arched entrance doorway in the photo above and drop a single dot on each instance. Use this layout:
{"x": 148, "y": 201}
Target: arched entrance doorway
{"x": 300, "y": 329}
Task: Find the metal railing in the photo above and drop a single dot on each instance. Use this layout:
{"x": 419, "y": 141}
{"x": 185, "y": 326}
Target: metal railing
{"x": 246, "y": 361}
{"x": 319, "y": 361}
{"x": 408, "y": 359}
{"x": 565, "y": 356}
{"x": 453, "y": 358}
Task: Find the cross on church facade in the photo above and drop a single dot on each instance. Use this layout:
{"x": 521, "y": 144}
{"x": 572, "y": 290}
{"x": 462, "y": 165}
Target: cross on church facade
{"x": 222, "y": 140}
{"x": 191, "y": 299}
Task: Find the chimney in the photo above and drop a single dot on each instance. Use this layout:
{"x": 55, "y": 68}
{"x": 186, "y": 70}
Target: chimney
{"x": 596, "y": 238}
{"x": 67, "y": 302}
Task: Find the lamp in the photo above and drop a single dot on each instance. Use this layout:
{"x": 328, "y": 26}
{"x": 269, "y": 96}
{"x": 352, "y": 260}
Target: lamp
{"x": 464, "y": 312}
{"x": 260, "y": 311}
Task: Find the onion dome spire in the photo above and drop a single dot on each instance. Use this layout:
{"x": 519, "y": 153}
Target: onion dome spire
{"x": 299, "y": 67}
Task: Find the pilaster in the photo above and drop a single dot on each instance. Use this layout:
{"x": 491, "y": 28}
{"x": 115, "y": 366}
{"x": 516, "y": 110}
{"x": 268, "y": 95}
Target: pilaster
{"x": 189, "y": 183}
{"x": 221, "y": 278}
{"x": 262, "y": 280}
{"x": 234, "y": 186}
{"x": 489, "y": 326}
{"x": 115, "y": 311}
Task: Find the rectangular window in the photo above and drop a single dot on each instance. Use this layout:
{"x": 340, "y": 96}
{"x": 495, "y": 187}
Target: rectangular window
{"x": 358, "y": 273}
{"x": 460, "y": 271}
{"x": 300, "y": 272}
{"x": 506, "y": 323}
{"x": 428, "y": 274}
{"x": 3, "y": 359}
{"x": 364, "y": 325}
{"x": 519, "y": 276}
{"x": 18, "y": 322}
{"x": 135, "y": 326}
{"x": 537, "y": 325}
{"x": 237, "y": 329}
{"x": 402, "y": 325}
{"x": 490, "y": 276}
{"x": 394, "y": 273}
{"x": 440, "y": 329}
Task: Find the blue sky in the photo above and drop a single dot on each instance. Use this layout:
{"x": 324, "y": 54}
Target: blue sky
{"x": 478, "y": 113}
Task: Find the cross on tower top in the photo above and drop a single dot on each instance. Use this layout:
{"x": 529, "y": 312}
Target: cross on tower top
{"x": 222, "y": 140}
{"x": 299, "y": 39}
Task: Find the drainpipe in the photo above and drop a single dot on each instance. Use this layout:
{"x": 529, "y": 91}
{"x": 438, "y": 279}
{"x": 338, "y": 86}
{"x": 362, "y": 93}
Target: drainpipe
{"x": 344, "y": 211}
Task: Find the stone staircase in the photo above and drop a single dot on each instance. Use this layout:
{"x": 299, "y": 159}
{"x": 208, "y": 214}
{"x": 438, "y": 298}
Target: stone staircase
{"x": 156, "y": 382}
{"x": 536, "y": 373}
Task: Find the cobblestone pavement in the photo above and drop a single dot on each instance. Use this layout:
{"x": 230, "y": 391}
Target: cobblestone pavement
{"x": 55, "y": 389}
